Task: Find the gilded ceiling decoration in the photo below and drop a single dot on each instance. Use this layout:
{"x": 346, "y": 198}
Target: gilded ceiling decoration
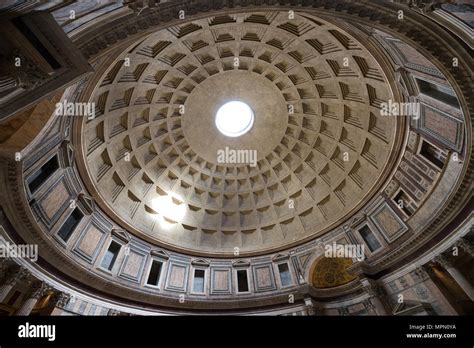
{"x": 329, "y": 272}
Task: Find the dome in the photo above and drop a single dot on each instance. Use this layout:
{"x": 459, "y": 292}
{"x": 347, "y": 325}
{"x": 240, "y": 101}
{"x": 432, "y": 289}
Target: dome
{"x": 316, "y": 139}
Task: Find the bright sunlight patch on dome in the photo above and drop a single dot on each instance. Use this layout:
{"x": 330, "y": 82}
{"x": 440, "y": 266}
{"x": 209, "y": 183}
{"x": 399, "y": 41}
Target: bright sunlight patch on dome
{"x": 170, "y": 209}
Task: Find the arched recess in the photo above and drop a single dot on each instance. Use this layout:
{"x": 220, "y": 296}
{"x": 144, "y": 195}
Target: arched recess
{"x": 330, "y": 272}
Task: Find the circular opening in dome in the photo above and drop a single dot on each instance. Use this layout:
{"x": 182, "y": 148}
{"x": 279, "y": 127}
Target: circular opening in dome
{"x": 234, "y": 119}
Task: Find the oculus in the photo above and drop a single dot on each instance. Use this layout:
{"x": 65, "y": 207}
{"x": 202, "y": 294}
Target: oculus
{"x": 234, "y": 119}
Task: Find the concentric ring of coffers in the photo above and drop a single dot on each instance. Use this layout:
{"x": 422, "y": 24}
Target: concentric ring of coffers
{"x": 332, "y": 146}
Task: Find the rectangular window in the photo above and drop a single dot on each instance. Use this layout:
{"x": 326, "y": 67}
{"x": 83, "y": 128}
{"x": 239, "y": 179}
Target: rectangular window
{"x": 198, "y": 283}
{"x": 369, "y": 238}
{"x": 402, "y": 200}
{"x": 155, "y": 273}
{"x": 242, "y": 281}
{"x": 432, "y": 154}
{"x": 42, "y": 174}
{"x": 70, "y": 225}
{"x": 110, "y": 256}
{"x": 285, "y": 275}
{"x": 441, "y": 93}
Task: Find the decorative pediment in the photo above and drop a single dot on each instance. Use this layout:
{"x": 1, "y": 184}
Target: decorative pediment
{"x": 67, "y": 153}
{"x": 280, "y": 257}
{"x": 304, "y": 259}
{"x": 358, "y": 219}
{"x": 241, "y": 263}
{"x": 121, "y": 234}
{"x": 413, "y": 308}
{"x": 200, "y": 262}
{"x": 160, "y": 253}
{"x": 87, "y": 203}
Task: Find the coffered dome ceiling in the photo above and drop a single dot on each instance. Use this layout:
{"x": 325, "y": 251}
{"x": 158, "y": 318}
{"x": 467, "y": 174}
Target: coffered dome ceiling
{"x": 322, "y": 146}
{"x": 133, "y": 210}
